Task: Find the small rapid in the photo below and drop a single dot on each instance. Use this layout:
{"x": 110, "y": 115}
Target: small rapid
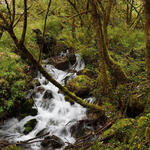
{"x": 55, "y": 115}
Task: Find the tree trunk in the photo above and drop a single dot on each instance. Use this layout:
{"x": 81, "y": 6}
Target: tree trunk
{"x": 147, "y": 34}
{"x": 104, "y": 84}
{"x": 114, "y": 68}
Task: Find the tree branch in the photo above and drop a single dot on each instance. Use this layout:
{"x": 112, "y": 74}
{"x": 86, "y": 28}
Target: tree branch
{"x": 8, "y": 8}
{"x": 25, "y": 23}
{"x": 44, "y": 30}
{"x": 14, "y": 11}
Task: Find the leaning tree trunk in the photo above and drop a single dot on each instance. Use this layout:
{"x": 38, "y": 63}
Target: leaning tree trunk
{"x": 147, "y": 34}
{"x": 104, "y": 84}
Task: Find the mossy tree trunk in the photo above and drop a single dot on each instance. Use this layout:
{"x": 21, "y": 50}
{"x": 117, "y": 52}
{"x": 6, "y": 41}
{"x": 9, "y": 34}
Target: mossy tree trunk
{"x": 113, "y": 67}
{"x": 147, "y": 34}
{"x": 104, "y": 84}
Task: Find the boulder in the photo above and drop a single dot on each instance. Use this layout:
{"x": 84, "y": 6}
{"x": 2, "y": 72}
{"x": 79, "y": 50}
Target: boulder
{"x": 40, "y": 89}
{"x": 48, "y": 94}
{"x": 61, "y": 63}
{"x": 53, "y": 142}
{"x": 81, "y": 86}
{"x": 72, "y": 58}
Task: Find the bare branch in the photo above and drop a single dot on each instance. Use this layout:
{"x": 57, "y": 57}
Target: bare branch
{"x": 25, "y": 23}
{"x": 79, "y": 14}
{"x": 14, "y": 11}
{"x": 8, "y": 8}
{"x": 21, "y": 15}
{"x": 44, "y": 31}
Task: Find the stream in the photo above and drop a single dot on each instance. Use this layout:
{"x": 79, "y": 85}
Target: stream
{"x": 55, "y": 115}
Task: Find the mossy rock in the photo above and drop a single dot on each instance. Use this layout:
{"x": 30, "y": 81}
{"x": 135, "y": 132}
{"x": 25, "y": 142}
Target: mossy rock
{"x": 119, "y": 127}
{"x": 29, "y": 126}
{"x": 81, "y": 86}
{"x": 90, "y": 73}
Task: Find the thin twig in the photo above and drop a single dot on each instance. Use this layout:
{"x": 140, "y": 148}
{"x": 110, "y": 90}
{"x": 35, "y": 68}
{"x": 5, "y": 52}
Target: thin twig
{"x": 44, "y": 31}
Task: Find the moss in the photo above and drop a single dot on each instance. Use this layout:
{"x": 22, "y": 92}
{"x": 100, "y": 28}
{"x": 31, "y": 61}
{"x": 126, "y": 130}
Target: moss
{"x": 120, "y": 124}
{"x": 142, "y": 121}
{"x": 81, "y": 85}
{"x": 29, "y": 126}
{"x": 11, "y": 147}
{"x": 90, "y": 73}
{"x": 147, "y": 134}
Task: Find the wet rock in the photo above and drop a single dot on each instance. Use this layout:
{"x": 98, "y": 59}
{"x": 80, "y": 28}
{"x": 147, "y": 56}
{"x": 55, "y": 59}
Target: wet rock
{"x": 90, "y": 73}
{"x": 61, "y": 63}
{"x": 72, "y": 58}
{"x": 29, "y": 126}
{"x": 48, "y": 94}
{"x": 40, "y": 89}
{"x": 81, "y": 86}
{"x": 52, "y": 142}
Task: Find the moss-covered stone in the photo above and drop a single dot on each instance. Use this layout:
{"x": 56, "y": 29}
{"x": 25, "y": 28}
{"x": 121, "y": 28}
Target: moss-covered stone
{"x": 29, "y": 126}
{"x": 81, "y": 85}
{"x": 90, "y": 73}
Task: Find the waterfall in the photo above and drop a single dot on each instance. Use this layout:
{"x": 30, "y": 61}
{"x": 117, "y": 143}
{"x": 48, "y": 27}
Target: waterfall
{"x": 55, "y": 115}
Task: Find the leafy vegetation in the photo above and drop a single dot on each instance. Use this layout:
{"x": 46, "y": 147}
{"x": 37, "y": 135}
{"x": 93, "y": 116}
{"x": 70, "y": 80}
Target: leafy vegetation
{"x": 125, "y": 45}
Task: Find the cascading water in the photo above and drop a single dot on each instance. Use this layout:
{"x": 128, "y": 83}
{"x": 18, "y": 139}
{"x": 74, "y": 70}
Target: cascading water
{"x": 55, "y": 115}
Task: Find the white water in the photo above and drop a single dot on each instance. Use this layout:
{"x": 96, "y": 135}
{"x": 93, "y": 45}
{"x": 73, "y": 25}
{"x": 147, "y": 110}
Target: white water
{"x": 55, "y": 115}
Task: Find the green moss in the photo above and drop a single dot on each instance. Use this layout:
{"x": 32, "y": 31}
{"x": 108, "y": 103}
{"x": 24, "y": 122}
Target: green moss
{"x": 29, "y": 126}
{"x": 142, "y": 121}
{"x": 147, "y": 134}
{"x": 11, "y": 147}
{"x": 81, "y": 85}
{"x": 120, "y": 124}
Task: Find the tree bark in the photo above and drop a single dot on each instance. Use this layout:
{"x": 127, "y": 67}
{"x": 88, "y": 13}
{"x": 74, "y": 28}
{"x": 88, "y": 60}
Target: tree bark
{"x": 104, "y": 84}
{"x": 114, "y": 68}
{"x": 147, "y": 35}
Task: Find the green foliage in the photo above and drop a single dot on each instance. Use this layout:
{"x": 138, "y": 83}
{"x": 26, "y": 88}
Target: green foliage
{"x": 124, "y": 39}
{"x": 13, "y": 80}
